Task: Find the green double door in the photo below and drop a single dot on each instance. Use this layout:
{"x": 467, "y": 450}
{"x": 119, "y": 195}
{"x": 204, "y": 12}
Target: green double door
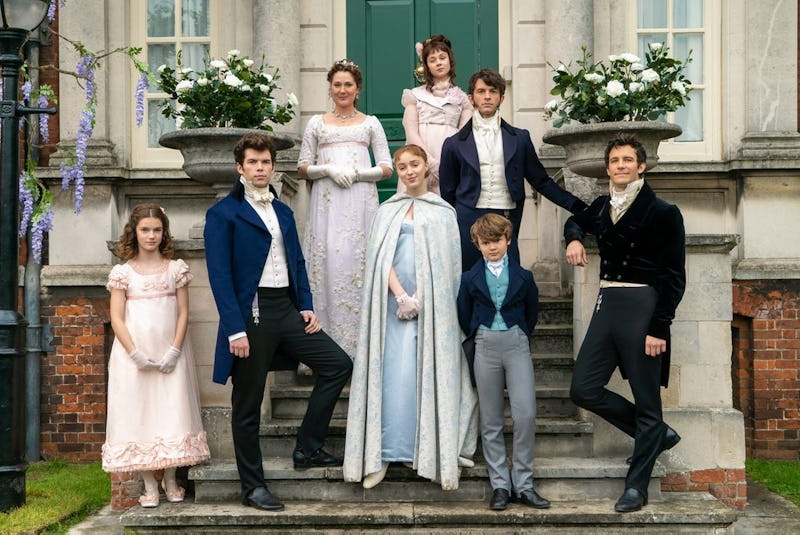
{"x": 380, "y": 39}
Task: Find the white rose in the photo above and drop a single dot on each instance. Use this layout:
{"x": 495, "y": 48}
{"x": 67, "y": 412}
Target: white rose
{"x": 601, "y": 100}
{"x": 593, "y": 77}
{"x": 649, "y": 75}
{"x": 561, "y": 68}
{"x": 218, "y": 64}
{"x": 630, "y": 58}
{"x": 232, "y": 80}
{"x": 568, "y": 92}
{"x": 246, "y": 88}
{"x": 656, "y": 46}
{"x": 637, "y": 67}
{"x": 291, "y": 98}
{"x": 233, "y": 53}
{"x": 248, "y": 62}
{"x": 268, "y": 76}
{"x": 186, "y": 70}
{"x": 613, "y": 57}
{"x": 263, "y": 87}
{"x": 161, "y": 68}
{"x": 202, "y": 82}
{"x": 551, "y": 105}
{"x": 614, "y": 88}
{"x": 679, "y": 87}
{"x": 183, "y": 86}
{"x": 633, "y": 87}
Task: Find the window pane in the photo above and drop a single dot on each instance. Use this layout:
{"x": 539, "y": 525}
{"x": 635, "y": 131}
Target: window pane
{"x": 160, "y": 18}
{"x": 160, "y": 55}
{"x": 157, "y": 124}
{"x": 193, "y": 55}
{"x": 644, "y": 42}
{"x": 690, "y": 117}
{"x": 194, "y": 18}
{"x": 687, "y": 13}
{"x": 652, "y": 13}
{"x": 683, "y": 44}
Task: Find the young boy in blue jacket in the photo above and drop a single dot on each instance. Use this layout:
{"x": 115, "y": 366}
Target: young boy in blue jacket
{"x": 498, "y": 304}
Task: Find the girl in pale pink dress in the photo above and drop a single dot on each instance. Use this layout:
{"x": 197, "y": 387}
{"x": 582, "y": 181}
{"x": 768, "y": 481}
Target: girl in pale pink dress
{"x": 436, "y": 110}
{"x": 344, "y": 199}
{"x": 153, "y": 403}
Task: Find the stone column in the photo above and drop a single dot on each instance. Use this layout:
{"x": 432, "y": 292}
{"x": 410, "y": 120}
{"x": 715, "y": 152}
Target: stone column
{"x": 280, "y": 44}
{"x": 560, "y": 45}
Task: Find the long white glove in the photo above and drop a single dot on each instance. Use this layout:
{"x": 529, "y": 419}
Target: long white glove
{"x": 334, "y": 172}
{"x": 142, "y": 362}
{"x": 407, "y": 307}
{"x": 170, "y": 359}
{"x": 372, "y": 174}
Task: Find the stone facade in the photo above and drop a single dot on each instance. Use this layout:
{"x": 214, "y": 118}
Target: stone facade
{"x": 747, "y": 185}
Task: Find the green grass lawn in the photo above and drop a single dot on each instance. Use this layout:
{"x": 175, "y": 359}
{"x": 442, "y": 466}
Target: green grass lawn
{"x": 59, "y": 495}
{"x": 781, "y": 477}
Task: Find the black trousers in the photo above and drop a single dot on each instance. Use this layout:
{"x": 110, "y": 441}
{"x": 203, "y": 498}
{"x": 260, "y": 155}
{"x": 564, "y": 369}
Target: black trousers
{"x": 467, "y": 215}
{"x": 281, "y": 329}
{"x": 615, "y": 337}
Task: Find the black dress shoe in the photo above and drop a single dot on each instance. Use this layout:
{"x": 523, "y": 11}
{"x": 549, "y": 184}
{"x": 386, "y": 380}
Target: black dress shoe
{"x": 319, "y": 458}
{"x": 261, "y": 498}
{"x": 630, "y": 501}
{"x": 671, "y": 438}
{"x": 499, "y": 500}
{"x": 532, "y": 499}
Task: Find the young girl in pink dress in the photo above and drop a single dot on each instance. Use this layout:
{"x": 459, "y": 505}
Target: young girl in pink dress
{"x": 436, "y": 110}
{"x": 153, "y": 403}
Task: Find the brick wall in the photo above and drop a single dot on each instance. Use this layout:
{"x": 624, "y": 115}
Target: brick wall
{"x": 728, "y": 486}
{"x": 74, "y": 376}
{"x": 767, "y": 361}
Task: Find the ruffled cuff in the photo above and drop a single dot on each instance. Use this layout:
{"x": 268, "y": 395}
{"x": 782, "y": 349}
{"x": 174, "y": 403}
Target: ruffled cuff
{"x": 117, "y": 279}
{"x": 182, "y": 274}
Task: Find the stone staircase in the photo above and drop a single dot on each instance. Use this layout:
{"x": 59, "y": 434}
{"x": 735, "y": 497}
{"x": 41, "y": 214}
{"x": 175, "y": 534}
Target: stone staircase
{"x": 582, "y": 487}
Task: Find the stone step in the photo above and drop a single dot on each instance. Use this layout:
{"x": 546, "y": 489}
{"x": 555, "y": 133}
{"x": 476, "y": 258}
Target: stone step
{"x": 553, "y": 368}
{"x": 555, "y": 310}
{"x": 694, "y": 513}
{"x": 554, "y": 437}
{"x": 291, "y": 401}
{"x": 552, "y": 338}
{"x": 557, "y": 478}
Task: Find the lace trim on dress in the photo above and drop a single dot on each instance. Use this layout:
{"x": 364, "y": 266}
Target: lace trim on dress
{"x": 117, "y": 279}
{"x": 182, "y": 274}
{"x": 134, "y": 457}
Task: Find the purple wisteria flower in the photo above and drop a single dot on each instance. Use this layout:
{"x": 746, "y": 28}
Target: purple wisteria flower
{"x": 141, "y": 87}
{"x": 51, "y": 11}
{"x": 26, "y": 200}
{"x": 44, "y": 120}
{"x": 42, "y": 224}
{"x": 74, "y": 171}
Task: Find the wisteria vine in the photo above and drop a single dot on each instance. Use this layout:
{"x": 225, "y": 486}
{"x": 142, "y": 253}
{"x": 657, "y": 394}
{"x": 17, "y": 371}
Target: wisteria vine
{"x": 34, "y": 197}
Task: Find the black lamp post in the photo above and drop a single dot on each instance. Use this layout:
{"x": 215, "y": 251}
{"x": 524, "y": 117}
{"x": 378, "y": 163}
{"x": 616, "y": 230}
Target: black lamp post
{"x": 17, "y": 19}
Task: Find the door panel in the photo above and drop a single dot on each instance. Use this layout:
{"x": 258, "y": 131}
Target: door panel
{"x": 380, "y": 39}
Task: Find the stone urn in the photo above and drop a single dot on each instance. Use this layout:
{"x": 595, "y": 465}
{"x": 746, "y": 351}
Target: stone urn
{"x": 208, "y": 153}
{"x": 585, "y": 144}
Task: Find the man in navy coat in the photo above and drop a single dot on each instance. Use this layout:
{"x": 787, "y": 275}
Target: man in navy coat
{"x": 266, "y": 317}
{"x": 484, "y": 165}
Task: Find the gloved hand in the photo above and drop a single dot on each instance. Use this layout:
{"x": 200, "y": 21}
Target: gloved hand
{"x": 334, "y": 172}
{"x": 142, "y": 362}
{"x": 407, "y": 307}
{"x": 170, "y": 359}
{"x": 316, "y": 171}
{"x": 372, "y": 174}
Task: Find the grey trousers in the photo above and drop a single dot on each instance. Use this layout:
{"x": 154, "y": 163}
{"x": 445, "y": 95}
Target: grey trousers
{"x": 503, "y": 359}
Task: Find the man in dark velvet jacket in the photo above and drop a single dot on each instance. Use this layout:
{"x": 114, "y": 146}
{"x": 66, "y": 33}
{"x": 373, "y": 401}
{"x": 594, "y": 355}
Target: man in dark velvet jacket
{"x": 484, "y": 167}
{"x": 641, "y": 241}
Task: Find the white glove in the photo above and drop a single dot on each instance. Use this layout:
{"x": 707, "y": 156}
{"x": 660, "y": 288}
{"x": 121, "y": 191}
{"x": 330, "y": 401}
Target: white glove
{"x": 373, "y": 174}
{"x": 317, "y": 171}
{"x": 142, "y": 362}
{"x": 407, "y": 307}
{"x": 170, "y": 359}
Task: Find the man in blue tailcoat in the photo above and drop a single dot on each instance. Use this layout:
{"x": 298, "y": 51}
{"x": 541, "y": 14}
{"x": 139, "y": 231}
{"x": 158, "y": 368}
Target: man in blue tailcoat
{"x": 266, "y": 317}
{"x": 484, "y": 166}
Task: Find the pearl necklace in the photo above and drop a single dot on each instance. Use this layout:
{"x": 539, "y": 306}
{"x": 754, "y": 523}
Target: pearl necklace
{"x": 345, "y": 116}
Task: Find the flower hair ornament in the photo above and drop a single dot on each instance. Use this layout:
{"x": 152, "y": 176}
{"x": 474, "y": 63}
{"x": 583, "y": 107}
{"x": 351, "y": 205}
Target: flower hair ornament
{"x": 419, "y": 70}
{"x": 346, "y": 63}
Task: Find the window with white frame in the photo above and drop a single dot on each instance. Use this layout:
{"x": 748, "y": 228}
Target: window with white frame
{"x": 687, "y": 27}
{"x": 165, "y": 27}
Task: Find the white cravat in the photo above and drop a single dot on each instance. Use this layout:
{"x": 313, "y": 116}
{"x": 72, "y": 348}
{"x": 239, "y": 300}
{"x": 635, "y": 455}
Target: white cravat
{"x": 496, "y": 267}
{"x": 620, "y": 201}
{"x": 260, "y": 195}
